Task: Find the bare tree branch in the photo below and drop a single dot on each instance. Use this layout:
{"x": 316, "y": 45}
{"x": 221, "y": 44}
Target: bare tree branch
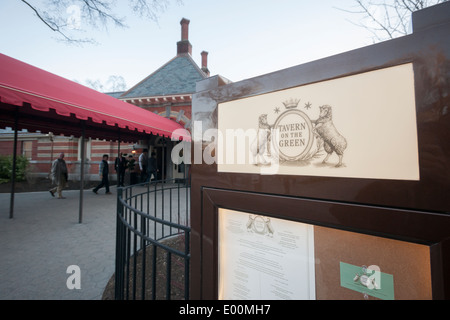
{"x": 149, "y": 9}
{"x": 395, "y": 17}
{"x": 116, "y": 83}
{"x": 93, "y": 13}
{"x": 99, "y": 10}
{"x": 49, "y": 23}
{"x": 374, "y": 19}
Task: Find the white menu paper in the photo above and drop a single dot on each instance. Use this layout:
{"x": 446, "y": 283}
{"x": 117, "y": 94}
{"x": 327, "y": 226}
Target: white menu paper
{"x": 264, "y": 258}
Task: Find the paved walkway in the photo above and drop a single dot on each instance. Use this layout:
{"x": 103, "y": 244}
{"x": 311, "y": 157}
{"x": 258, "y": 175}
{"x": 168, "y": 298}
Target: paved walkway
{"x": 44, "y": 238}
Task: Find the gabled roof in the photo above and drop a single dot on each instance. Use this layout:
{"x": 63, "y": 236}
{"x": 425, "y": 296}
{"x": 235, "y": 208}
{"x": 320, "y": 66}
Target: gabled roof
{"x": 178, "y": 76}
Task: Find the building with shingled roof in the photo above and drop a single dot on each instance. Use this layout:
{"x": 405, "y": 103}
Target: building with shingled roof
{"x": 168, "y": 92}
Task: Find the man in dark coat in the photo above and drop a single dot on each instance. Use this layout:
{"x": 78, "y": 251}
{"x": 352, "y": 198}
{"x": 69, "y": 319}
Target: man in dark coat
{"x": 152, "y": 168}
{"x": 103, "y": 171}
{"x": 143, "y": 165}
{"x": 120, "y": 166}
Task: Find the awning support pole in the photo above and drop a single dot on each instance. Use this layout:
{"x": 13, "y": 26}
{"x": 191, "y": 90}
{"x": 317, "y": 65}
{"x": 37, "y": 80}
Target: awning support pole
{"x": 163, "y": 166}
{"x": 118, "y": 156}
{"x": 13, "y": 174}
{"x": 82, "y": 152}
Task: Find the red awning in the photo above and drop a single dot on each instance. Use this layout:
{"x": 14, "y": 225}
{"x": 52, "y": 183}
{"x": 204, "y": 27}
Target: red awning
{"x": 26, "y": 86}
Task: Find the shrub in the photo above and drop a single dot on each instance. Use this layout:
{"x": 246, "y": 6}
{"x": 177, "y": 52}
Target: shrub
{"x": 6, "y": 164}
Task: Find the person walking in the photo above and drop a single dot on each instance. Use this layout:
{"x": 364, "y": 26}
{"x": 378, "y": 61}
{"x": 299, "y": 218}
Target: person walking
{"x": 104, "y": 172}
{"x": 143, "y": 164}
{"x": 120, "y": 166}
{"x": 152, "y": 168}
{"x": 59, "y": 176}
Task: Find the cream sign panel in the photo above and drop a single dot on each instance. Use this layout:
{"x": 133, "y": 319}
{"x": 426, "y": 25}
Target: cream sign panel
{"x": 361, "y": 126}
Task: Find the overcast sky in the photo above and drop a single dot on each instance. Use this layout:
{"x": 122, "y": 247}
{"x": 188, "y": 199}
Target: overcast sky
{"x": 244, "y": 38}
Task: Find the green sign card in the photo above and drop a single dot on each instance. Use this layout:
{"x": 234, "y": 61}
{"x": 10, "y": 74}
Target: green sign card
{"x": 367, "y": 280}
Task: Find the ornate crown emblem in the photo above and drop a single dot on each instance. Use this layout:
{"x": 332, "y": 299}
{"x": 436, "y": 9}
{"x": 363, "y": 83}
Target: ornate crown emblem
{"x": 291, "y": 103}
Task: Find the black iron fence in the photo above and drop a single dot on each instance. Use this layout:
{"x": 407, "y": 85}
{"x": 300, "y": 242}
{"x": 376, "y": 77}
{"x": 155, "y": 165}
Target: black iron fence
{"x": 152, "y": 241}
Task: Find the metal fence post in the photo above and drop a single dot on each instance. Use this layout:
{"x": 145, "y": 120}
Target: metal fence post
{"x": 120, "y": 248}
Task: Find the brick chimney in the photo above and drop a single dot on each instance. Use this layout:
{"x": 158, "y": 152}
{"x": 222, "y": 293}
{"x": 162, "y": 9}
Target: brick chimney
{"x": 205, "y": 62}
{"x": 184, "y": 46}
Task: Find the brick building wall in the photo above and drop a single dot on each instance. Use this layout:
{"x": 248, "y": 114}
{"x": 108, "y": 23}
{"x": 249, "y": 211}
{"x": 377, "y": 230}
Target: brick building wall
{"x": 41, "y": 151}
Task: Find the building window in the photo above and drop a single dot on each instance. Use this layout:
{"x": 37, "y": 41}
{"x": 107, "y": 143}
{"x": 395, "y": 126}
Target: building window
{"x": 27, "y": 149}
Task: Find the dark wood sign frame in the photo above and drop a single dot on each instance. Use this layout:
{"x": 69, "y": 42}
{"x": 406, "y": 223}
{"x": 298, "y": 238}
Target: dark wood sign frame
{"x": 413, "y": 211}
